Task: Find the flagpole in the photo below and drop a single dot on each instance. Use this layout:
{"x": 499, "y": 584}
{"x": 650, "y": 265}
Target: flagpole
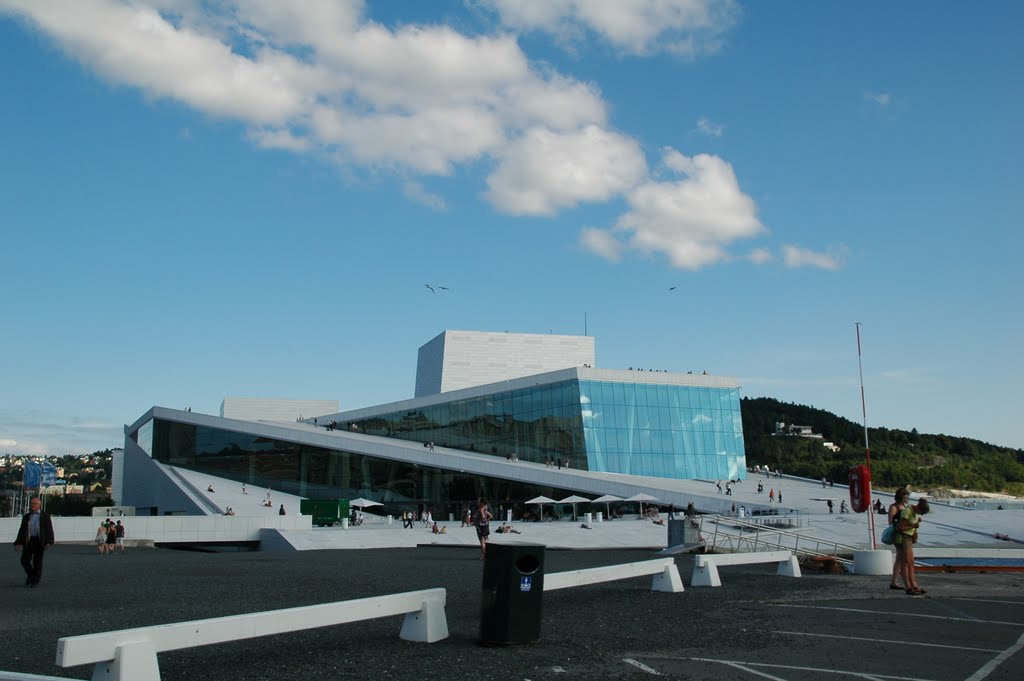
{"x": 867, "y": 446}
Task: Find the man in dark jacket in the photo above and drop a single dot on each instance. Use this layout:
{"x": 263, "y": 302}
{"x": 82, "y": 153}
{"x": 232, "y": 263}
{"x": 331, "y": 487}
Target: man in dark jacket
{"x": 36, "y": 535}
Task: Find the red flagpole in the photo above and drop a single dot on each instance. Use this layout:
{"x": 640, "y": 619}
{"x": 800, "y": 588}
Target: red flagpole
{"x": 867, "y": 445}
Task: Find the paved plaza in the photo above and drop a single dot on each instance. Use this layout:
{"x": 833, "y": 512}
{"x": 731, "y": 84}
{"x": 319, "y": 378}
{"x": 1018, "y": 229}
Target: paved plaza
{"x": 756, "y": 626}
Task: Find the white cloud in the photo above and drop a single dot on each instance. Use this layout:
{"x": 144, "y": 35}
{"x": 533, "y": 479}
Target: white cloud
{"x": 708, "y": 127}
{"x": 318, "y": 77}
{"x": 133, "y": 44}
{"x": 36, "y": 433}
{"x": 686, "y": 28}
{"x": 760, "y": 256}
{"x": 909, "y": 376}
{"x": 602, "y": 243}
{"x": 544, "y": 170}
{"x": 691, "y": 220}
{"x": 278, "y": 139}
{"x": 794, "y": 256}
{"x": 415, "y": 191}
{"x": 882, "y": 99}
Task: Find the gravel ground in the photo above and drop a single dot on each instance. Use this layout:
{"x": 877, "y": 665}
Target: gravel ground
{"x": 586, "y": 632}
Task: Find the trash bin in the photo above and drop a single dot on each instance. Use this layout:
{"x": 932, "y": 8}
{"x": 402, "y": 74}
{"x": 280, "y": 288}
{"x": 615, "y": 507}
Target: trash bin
{"x": 600, "y": 516}
{"x": 588, "y": 518}
{"x": 512, "y": 593}
{"x": 390, "y": 519}
{"x": 344, "y": 523}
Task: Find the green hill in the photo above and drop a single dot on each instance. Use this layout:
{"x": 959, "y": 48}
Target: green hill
{"x": 898, "y": 457}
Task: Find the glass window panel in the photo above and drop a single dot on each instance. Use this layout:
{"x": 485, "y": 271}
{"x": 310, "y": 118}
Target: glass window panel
{"x": 652, "y": 395}
{"x": 682, "y": 396}
{"x": 589, "y": 392}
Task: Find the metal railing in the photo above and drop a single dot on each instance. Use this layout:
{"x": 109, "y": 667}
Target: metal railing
{"x": 738, "y": 535}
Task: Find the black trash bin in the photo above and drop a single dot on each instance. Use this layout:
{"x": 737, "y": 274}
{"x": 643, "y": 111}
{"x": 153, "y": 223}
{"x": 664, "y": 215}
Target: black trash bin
{"x": 512, "y": 593}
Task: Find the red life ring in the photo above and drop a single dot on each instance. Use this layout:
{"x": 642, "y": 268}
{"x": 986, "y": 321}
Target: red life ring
{"x": 860, "y": 489}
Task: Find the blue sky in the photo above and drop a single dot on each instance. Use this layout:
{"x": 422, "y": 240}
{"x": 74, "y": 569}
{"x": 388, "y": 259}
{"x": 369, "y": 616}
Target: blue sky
{"x": 200, "y": 199}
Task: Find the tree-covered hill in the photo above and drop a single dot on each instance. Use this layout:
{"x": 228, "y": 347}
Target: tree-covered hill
{"x": 898, "y": 457}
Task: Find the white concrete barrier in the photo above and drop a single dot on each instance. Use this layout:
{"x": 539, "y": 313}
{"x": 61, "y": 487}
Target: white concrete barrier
{"x": 705, "y": 566}
{"x": 877, "y": 562}
{"x": 171, "y": 528}
{"x": 666, "y": 575}
{"x": 130, "y": 654}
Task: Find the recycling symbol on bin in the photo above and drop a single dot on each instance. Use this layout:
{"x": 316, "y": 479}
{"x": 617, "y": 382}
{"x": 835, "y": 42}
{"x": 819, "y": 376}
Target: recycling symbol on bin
{"x": 525, "y": 583}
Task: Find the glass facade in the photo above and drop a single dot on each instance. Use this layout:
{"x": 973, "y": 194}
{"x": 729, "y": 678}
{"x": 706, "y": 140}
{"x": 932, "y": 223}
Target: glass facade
{"x": 319, "y": 473}
{"x": 669, "y": 431}
{"x": 535, "y": 423}
{"x": 632, "y": 428}
{"x": 663, "y": 431}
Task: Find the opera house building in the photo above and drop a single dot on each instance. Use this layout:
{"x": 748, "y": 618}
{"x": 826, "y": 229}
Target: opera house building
{"x": 486, "y": 407}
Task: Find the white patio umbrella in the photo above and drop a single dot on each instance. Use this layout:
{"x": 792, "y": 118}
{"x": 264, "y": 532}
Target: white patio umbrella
{"x": 363, "y": 503}
{"x": 574, "y": 499}
{"x": 641, "y": 498}
{"x": 607, "y": 499}
{"x": 540, "y": 501}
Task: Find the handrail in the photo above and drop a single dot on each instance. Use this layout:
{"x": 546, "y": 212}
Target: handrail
{"x": 773, "y": 539}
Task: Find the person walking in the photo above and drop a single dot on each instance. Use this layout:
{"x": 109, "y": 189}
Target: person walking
{"x": 35, "y": 536}
{"x": 119, "y": 532}
{"x": 482, "y": 522}
{"x": 111, "y": 537}
{"x": 899, "y": 502}
{"x": 101, "y": 538}
{"x": 906, "y": 537}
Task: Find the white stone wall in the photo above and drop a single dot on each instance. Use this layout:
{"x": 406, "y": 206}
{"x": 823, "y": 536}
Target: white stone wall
{"x": 429, "y": 366}
{"x": 470, "y": 358}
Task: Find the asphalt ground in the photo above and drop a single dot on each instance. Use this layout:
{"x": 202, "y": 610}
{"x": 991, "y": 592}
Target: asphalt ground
{"x": 756, "y": 626}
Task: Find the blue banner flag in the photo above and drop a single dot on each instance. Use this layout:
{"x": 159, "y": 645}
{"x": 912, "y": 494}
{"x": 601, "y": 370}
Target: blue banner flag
{"x": 33, "y": 474}
{"x": 49, "y": 474}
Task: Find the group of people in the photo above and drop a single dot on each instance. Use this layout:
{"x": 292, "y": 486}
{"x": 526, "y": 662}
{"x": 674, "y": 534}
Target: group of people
{"x": 410, "y": 518}
{"x": 906, "y": 518}
{"x": 109, "y": 537}
{"x": 550, "y": 462}
{"x": 843, "y": 507}
{"x": 772, "y": 495}
{"x": 767, "y": 471}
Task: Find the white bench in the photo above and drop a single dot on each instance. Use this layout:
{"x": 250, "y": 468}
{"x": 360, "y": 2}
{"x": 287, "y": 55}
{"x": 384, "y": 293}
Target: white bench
{"x": 130, "y": 654}
{"x": 666, "y": 575}
{"x": 705, "y": 566}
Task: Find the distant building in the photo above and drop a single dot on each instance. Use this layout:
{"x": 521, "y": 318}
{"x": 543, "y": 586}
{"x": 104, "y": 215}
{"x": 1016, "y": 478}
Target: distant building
{"x": 792, "y": 430}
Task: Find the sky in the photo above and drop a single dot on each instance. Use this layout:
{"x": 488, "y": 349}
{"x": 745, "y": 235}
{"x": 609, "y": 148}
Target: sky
{"x": 201, "y": 199}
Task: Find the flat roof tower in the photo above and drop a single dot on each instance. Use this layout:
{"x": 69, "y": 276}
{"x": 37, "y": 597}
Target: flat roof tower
{"x": 463, "y": 359}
